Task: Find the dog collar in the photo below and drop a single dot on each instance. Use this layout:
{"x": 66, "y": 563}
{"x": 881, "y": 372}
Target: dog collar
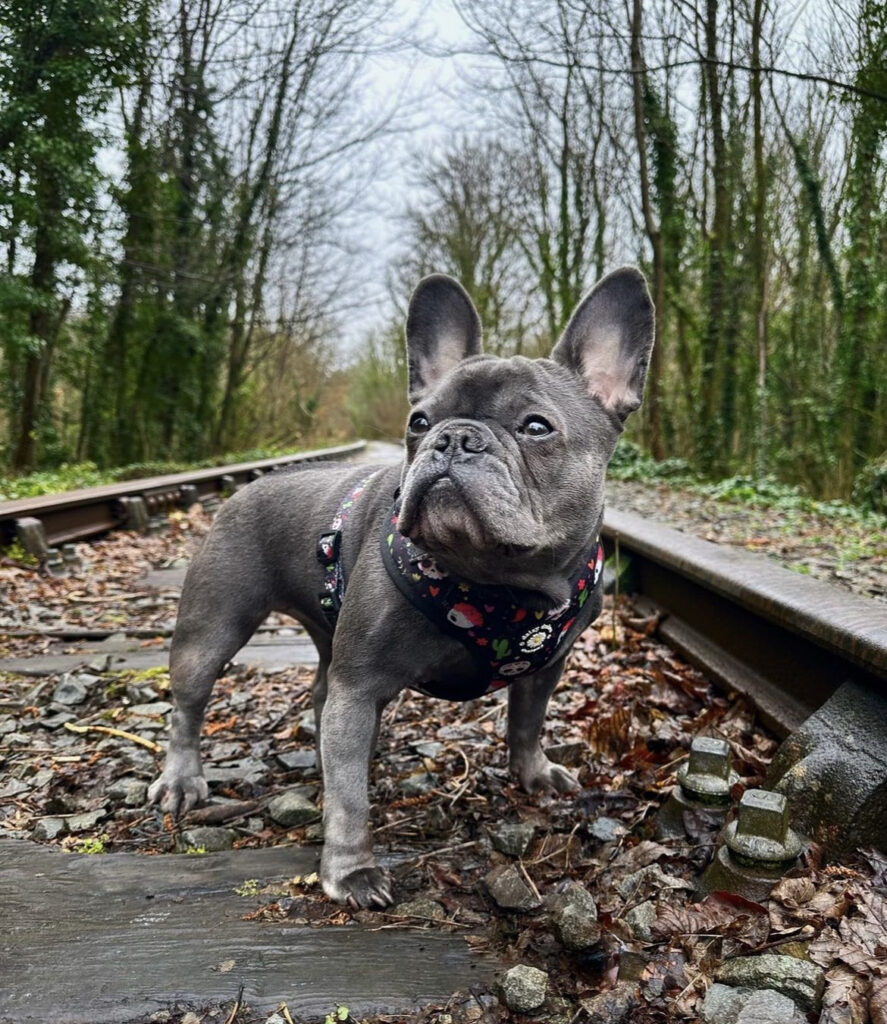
{"x": 505, "y": 637}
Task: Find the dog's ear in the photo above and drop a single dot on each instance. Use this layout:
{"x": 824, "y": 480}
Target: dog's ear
{"x": 609, "y": 339}
{"x": 442, "y": 329}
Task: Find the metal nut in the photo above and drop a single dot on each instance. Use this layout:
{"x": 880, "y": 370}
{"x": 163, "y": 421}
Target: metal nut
{"x": 761, "y": 833}
{"x": 54, "y": 562}
{"x": 707, "y": 775}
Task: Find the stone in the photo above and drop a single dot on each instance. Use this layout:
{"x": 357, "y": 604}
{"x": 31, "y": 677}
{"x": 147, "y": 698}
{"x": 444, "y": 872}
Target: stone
{"x": 726, "y": 1005}
{"x": 421, "y": 907}
{"x": 418, "y": 784}
{"x": 246, "y": 769}
{"x": 47, "y": 829}
{"x": 606, "y": 830}
{"x": 508, "y": 889}
{"x": 207, "y": 838}
{"x": 524, "y": 988}
{"x": 55, "y": 721}
{"x": 314, "y": 833}
{"x": 292, "y": 808}
{"x": 70, "y": 690}
{"x": 512, "y": 839}
{"x": 611, "y": 1007}
{"x": 640, "y": 918}
{"x": 129, "y": 791}
{"x": 574, "y": 916}
{"x": 14, "y": 788}
{"x": 799, "y": 980}
{"x": 156, "y": 709}
{"x": 297, "y": 759}
{"x": 427, "y": 748}
{"x": 305, "y": 727}
{"x": 86, "y": 820}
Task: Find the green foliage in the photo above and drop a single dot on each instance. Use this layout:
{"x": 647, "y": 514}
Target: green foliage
{"x": 870, "y": 486}
{"x": 339, "y": 1016}
{"x": 91, "y": 845}
{"x": 65, "y": 478}
{"x": 16, "y": 553}
{"x": 631, "y": 462}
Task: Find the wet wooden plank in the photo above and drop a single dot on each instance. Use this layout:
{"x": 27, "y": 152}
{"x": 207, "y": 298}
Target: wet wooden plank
{"x": 262, "y": 652}
{"x": 110, "y": 939}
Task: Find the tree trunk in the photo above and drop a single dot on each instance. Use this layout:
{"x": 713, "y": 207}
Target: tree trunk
{"x": 653, "y": 397}
{"x": 759, "y": 253}
{"x": 710, "y": 446}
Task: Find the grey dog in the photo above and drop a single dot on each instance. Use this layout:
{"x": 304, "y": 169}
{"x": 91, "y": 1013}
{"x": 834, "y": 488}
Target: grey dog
{"x": 502, "y": 486}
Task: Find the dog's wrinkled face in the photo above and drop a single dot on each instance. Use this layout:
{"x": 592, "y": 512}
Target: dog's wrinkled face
{"x": 506, "y": 458}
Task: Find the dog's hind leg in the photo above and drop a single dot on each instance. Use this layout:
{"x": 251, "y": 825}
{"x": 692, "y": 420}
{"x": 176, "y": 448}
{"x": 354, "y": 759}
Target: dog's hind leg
{"x": 213, "y": 624}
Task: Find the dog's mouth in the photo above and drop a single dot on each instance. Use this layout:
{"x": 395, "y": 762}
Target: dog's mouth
{"x": 441, "y": 511}
{"x": 438, "y": 515}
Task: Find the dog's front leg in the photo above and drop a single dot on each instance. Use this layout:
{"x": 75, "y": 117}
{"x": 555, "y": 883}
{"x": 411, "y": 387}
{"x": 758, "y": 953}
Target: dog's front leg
{"x": 348, "y": 731}
{"x": 527, "y": 703}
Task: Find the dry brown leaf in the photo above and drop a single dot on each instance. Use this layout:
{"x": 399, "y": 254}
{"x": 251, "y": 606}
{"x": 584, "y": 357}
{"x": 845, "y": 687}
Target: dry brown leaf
{"x": 637, "y": 857}
{"x": 844, "y": 999}
{"x": 746, "y": 922}
{"x": 794, "y": 892}
{"x": 878, "y": 1001}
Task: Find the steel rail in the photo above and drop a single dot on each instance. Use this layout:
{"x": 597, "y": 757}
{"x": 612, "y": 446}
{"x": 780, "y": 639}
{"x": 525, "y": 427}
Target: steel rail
{"x": 784, "y": 640}
{"x": 73, "y": 515}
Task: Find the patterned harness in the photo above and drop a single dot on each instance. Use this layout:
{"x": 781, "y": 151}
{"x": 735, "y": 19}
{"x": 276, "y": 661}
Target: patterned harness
{"x": 506, "y": 638}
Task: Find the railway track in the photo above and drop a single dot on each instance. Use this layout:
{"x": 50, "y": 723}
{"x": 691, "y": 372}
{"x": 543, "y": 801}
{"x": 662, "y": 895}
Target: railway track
{"x": 801, "y": 651}
{"x": 783, "y": 640}
{"x": 54, "y": 519}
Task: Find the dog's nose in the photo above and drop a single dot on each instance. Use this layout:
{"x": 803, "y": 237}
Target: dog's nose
{"x": 460, "y": 436}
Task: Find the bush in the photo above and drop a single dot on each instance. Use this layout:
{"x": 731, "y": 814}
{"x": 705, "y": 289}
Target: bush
{"x": 870, "y": 486}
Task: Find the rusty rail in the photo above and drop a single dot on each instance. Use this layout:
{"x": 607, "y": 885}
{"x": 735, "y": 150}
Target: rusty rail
{"x": 74, "y": 515}
{"x": 784, "y": 640}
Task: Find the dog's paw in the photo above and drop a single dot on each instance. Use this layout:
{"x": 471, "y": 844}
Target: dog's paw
{"x": 542, "y": 774}
{"x": 176, "y": 793}
{"x": 365, "y": 887}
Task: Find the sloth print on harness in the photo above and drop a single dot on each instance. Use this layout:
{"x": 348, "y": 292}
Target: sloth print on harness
{"x": 506, "y": 638}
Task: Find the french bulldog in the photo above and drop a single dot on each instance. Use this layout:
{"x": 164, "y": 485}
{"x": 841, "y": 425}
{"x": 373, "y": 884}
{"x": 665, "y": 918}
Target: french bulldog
{"x": 500, "y": 493}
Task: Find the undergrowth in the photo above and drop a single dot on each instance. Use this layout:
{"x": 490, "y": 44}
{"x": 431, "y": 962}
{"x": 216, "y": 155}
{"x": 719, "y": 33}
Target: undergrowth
{"x": 630, "y": 462}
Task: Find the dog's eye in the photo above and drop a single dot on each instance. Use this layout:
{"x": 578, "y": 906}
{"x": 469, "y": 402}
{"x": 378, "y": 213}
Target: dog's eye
{"x": 535, "y": 426}
{"x": 419, "y": 423}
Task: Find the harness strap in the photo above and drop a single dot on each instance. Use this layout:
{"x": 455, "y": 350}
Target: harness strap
{"x": 329, "y": 547}
{"x": 507, "y": 638}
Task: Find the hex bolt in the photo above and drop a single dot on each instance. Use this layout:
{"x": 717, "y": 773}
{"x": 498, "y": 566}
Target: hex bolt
{"x": 156, "y": 524}
{"x": 707, "y": 775}
{"x": 54, "y": 562}
{"x": 761, "y": 835}
{"x": 188, "y": 495}
{"x": 70, "y": 557}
